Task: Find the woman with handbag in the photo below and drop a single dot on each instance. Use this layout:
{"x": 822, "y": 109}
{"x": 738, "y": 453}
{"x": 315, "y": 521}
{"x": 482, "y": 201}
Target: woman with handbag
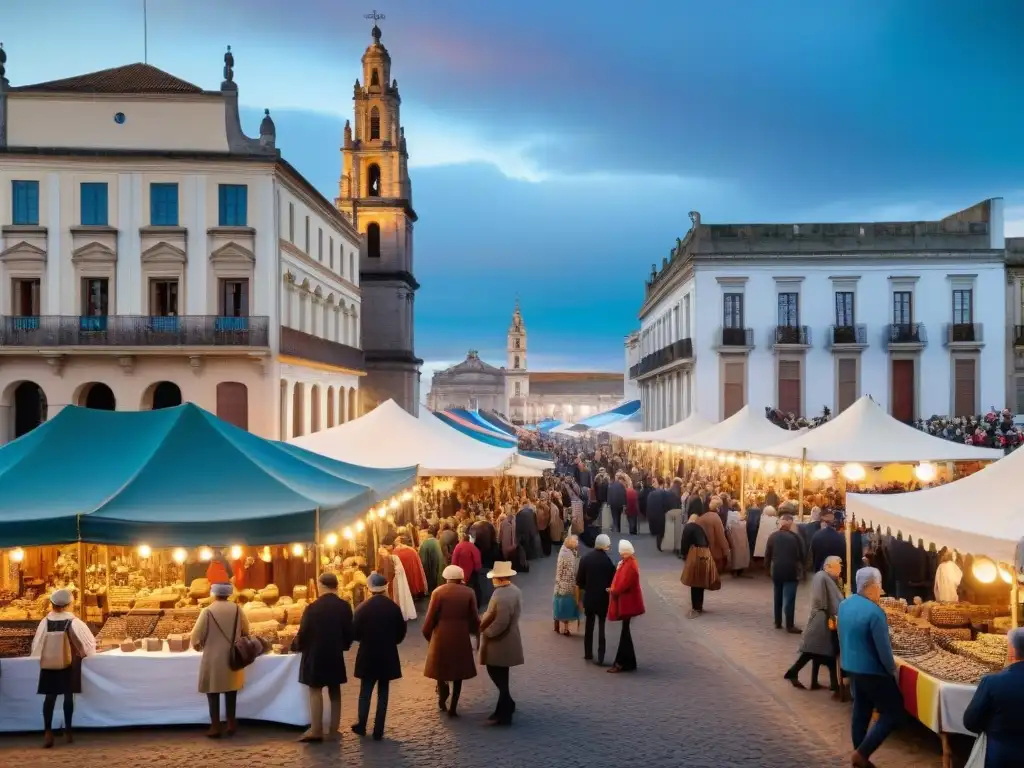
{"x": 61, "y": 642}
{"x": 699, "y": 569}
{"x": 217, "y": 629}
{"x": 819, "y": 642}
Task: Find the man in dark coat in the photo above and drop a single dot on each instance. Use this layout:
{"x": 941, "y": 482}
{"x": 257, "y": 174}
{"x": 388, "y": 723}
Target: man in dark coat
{"x": 594, "y": 576}
{"x": 617, "y": 502}
{"x": 526, "y": 530}
{"x": 784, "y": 559}
{"x": 325, "y": 633}
{"x": 486, "y": 539}
{"x": 827, "y": 542}
{"x": 379, "y": 628}
{"x": 996, "y": 706}
{"x": 658, "y": 504}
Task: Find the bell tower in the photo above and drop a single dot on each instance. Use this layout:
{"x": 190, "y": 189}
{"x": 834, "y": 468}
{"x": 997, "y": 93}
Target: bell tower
{"x": 517, "y": 379}
{"x": 376, "y": 195}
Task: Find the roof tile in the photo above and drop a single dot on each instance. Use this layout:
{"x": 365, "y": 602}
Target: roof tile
{"x": 131, "y": 78}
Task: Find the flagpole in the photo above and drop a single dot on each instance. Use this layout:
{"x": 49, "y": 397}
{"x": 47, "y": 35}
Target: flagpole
{"x": 145, "y": 31}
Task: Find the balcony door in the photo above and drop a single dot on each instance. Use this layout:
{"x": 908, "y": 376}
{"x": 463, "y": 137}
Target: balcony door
{"x": 904, "y": 390}
{"x": 163, "y": 304}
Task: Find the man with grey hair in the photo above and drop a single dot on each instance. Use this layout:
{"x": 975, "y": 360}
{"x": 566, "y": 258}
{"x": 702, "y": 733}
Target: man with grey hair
{"x": 594, "y": 578}
{"x": 868, "y": 661}
{"x": 996, "y": 707}
{"x": 784, "y": 558}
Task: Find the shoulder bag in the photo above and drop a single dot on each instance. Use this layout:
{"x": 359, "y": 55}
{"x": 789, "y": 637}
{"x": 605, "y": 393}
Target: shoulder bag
{"x": 244, "y": 650}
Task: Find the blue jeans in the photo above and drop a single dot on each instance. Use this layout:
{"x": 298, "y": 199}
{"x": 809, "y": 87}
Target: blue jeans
{"x": 871, "y": 693}
{"x": 785, "y": 599}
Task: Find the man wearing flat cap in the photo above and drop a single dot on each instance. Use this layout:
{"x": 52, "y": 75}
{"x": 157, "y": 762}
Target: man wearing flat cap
{"x": 379, "y": 628}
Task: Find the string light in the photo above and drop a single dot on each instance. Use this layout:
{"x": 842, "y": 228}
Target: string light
{"x": 347, "y": 533}
{"x": 17, "y": 555}
{"x": 179, "y": 555}
{"x": 1005, "y": 573}
{"x": 360, "y": 526}
{"x": 721, "y": 458}
{"x": 769, "y": 467}
{"x": 755, "y": 463}
{"x": 331, "y": 540}
{"x": 265, "y": 555}
{"x": 382, "y": 512}
{"x": 298, "y": 550}
{"x": 394, "y": 503}
{"x": 206, "y": 554}
{"x": 784, "y": 467}
{"x": 821, "y": 472}
{"x": 236, "y": 552}
{"x": 925, "y": 472}
{"x": 407, "y": 496}
{"x": 145, "y": 551}
{"x": 984, "y": 570}
{"x": 854, "y": 472}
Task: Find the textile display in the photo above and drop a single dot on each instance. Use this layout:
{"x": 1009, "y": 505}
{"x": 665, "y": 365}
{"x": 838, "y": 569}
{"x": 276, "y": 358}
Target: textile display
{"x": 152, "y": 689}
{"x": 939, "y": 705}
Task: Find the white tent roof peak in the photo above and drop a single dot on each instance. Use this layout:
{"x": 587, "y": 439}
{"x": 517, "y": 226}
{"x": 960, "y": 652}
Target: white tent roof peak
{"x": 747, "y": 430}
{"x": 691, "y": 425}
{"x": 866, "y": 434}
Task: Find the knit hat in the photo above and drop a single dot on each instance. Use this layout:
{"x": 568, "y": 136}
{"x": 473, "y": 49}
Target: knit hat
{"x": 222, "y": 590}
{"x": 602, "y": 542}
{"x": 625, "y": 548}
{"x": 376, "y": 583}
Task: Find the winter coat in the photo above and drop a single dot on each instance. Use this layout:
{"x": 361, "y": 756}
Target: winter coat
{"x": 825, "y": 599}
{"x": 717, "y": 542}
{"x": 739, "y": 546}
{"x": 753, "y": 522}
{"x": 556, "y": 526}
{"x": 507, "y": 538}
{"x": 826, "y": 543}
{"x": 616, "y": 495}
{"x": 626, "y": 599}
{"x": 325, "y": 633}
{"x": 693, "y": 536}
{"x": 632, "y": 505}
{"x": 467, "y": 557}
{"x": 543, "y": 515}
{"x": 527, "y": 533}
{"x": 657, "y": 506}
{"x": 215, "y": 676}
{"x": 451, "y": 622}
{"x": 432, "y": 559}
{"x": 486, "y": 539}
{"x": 694, "y": 505}
{"x": 379, "y": 628}
{"x": 501, "y": 644}
{"x": 767, "y": 525}
{"x": 601, "y": 489}
{"x": 784, "y": 555}
{"x": 594, "y": 576}
{"x": 448, "y": 539}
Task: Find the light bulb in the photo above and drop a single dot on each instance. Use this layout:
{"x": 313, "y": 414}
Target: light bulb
{"x": 144, "y": 551}
{"x": 298, "y": 550}
{"x": 347, "y": 533}
{"x": 769, "y": 467}
{"x": 382, "y": 512}
{"x": 331, "y": 540}
{"x": 360, "y": 526}
{"x": 1005, "y": 573}
{"x": 755, "y": 463}
{"x": 407, "y": 496}
{"x": 984, "y": 570}
{"x": 731, "y": 458}
{"x": 821, "y": 472}
{"x": 784, "y": 468}
{"x": 179, "y": 555}
{"x": 394, "y": 503}
{"x": 17, "y": 555}
{"x": 721, "y": 458}
{"x": 700, "y": 453}
{"x": 925, "y": 472}
{"x": 206, "y": 554}
{"x": 265, "y": 555}
{"x": 854, "y": 472}
{"x": 236, "y": 552}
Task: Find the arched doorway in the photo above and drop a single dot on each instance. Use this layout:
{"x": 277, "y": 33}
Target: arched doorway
{"x": 314, "y": 409}
{"x": 330, "y": 407}
{"x": 97, "y": 396}
{"x": 29, "y": 407}
{"x": 233, "y": 403}
{"x": 166, "y": 394}
{"x": 298, "y": 409}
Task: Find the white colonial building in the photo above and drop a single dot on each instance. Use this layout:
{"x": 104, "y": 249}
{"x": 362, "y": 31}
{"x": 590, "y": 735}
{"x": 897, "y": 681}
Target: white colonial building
{"x": 810, "y": 316}
{"x": 151, "y": 253}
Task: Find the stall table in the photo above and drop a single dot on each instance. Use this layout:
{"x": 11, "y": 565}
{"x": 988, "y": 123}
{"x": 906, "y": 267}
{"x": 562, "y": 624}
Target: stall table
{"x": 937, "y": 704}
{"x": 151, "y": 689}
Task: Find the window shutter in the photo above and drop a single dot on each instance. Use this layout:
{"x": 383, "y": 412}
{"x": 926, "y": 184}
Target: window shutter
{"x": 963, "y": 398}
{"x": 733, "y": 391}
{"x": 847, "y": 375}
{"x": 789, "y": 387}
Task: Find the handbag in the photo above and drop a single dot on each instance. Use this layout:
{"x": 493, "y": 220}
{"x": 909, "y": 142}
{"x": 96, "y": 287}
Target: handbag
{"x": 978, "y": 753}
{"x": 244, "y": 650}
{"x": 700, "y": 571}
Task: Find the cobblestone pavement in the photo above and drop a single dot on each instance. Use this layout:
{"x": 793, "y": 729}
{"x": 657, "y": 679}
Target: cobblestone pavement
{"x": 707, "y": 695}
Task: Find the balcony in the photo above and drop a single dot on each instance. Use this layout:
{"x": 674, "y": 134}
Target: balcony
{"x": 735, "y": 339}
{"x": 798, "y": 336}
{"x": 667, "y": 357}
{"x": 72, "y": 332}
{"x": 847, "y": 338}
{"x": 314, "y": 349}
{"x": 964, "y": 336}
{"x": 906, "y": 336}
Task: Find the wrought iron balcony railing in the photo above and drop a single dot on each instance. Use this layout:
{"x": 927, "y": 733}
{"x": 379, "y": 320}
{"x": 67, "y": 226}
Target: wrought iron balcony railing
{"x": 736, "y": 337}
{"x": 839, "y": 335}
{"x": 45, "y": 331}
{"x": 961, "y": 333}
{"x": 906, "y": 333}
{"x": 799, "y": 335}
{"x": 674, "y": 352}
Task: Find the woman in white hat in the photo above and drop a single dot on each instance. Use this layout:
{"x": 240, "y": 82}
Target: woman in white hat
{"x": 452, "y": 620}
{"x": 502, "y": 646}
{"x": 61, "y": 642}
{"x": 217, "y": 629}
{"x": 625, "y": 602}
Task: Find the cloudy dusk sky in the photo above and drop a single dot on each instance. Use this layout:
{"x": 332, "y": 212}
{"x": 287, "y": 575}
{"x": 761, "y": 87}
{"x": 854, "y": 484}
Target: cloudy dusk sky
{"x": 556, "y": 147}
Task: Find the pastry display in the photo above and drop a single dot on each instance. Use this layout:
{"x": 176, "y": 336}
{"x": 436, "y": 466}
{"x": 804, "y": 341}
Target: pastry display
{"x": 141, "y": 625}
{"x": 114, "y": 630}
{"x": 910, "y": 641}
{"x": 951, "y": 667}
{"x": 177, "y": 643}
{"x": 153, "y": 644}
{"x": 15, "y": 642}
{"x": 176, "y": 622}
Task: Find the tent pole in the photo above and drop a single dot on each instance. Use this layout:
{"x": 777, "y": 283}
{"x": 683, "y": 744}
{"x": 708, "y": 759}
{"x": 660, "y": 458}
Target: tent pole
{"x": 849, "y": 555}
{"x": 743, "y": 485}
{"x": 803, "y": 471}
{"x": 1015, "y": 600}
{"x": 316, "y": 544}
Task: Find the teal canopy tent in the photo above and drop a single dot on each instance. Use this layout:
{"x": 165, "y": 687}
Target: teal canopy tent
{"x": 174, "y": 477}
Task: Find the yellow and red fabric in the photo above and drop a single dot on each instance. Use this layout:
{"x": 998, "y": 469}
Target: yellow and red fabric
{"x": 920, "y": 695}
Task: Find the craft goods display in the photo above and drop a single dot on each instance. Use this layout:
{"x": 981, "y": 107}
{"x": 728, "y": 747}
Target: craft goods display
{"x": 951, "y": 667}
{"x": 949, "y": 615}
{"x": 993, "y": 657}
{"x": 15, "y": 642}
{"x": 141, "y": 625}
{"x": 910, "y": 640}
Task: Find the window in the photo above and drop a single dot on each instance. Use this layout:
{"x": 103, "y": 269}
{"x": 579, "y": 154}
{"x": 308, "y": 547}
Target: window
{"x": 94, "y": 204}
{"x": 733, "y": 304}
{"x": 847, "y": 377}
{"x": 330, "y": 241}
{"x": 789, "y": 310}
{"x": 733, "y": 389}
{"x": 320, "y": 245}
{"x": 25, "y": 199}
{"x": 352, "y": 256}
{"x": 902, "y": 308}
{"x": 234, "y": 297}
{"x": 844, "y": 309}
{"x": 519, "y": 389}
{"x": 95, "y": 296}
{"x": 374, "y": 79}
{"x": 515, "y": 362}
{"x": 374, "y": 122}
{"x": 163, "y": 205}
{"x": 789, "y": 387}
{"x": 517, "y": 343}
{"x": 233, "y": 202}
{"x": 307, "y": 235}
{"x": 25, "y": 297}
{"x": 163, "y": 298}
{"x": 963, "y": 309}
{"x": 291, "y": 223}
{"x": 373, "y": 240}
{"x": 373, "y": 180}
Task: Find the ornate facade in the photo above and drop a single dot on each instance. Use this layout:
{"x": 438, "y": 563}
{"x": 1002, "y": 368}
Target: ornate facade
{"x": 523, "y": 396}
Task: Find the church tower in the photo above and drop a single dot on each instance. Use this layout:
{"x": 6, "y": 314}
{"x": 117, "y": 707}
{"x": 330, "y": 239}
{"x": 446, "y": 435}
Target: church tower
{"x": 376, "y": 195}
{"x": 517, "y": 378}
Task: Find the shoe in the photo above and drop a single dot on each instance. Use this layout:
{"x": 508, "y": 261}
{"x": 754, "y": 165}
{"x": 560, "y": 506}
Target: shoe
{"x": 588, "y": 657}
{"x": 795, "y": 682}
{"x": 452, "y": 712}
{"x": 442, "y": 704}
{"x": 48, "y": 740}
{"x": 311, "y": 738}
{"x": 778, "y": 626}
{"x": 232, "y": 727}
{"x": 600, "y": 662}
{"x": 378, "y": 735}
{"x": 358, "y": 730}
{"x": 68, "y": 737}
{"x": 794, "y": 630}
{"x": 859, "y": 761}
{"x": 816, "y": 686}
{"x": 491, "y": 721}
{"x": 213, "y": 732}
{"x": 693, "y": 614}
{"x": 614, "y": 669}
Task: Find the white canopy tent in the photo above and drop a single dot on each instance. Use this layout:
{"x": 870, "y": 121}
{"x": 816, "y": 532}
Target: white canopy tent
{"x": 495, "y": 452}
{"x": 866, "y": 434}
{"x": 389, "y": 437}
{"x": 747, "y": 430}
{"x": 624, "y": 428}
{"x": 979, "y": 514}
{"x": 691, "y": 425}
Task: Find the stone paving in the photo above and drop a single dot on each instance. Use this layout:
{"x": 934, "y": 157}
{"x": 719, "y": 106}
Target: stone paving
{"x": 708, "y": 694}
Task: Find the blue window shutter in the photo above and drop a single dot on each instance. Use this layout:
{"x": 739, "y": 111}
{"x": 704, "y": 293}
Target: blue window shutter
{"x": 243, "y": 206}
{"x": 231, "y": 204}
{"x": 163, "y": 205}
{"x": 94, "y": 204}
{"x": 25, "y": 199}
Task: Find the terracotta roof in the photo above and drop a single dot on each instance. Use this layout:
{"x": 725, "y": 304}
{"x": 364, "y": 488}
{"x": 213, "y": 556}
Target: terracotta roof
{"x": 131, "y": 78}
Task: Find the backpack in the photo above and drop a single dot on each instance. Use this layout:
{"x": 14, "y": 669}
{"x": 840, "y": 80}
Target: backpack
{"x": 55, "y": 654}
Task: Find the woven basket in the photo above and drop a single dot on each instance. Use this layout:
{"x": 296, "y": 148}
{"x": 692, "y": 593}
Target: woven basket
{"x": 952, "y": 633}
{"x": 979, "y": 614}
{"x": 949, "y": 615}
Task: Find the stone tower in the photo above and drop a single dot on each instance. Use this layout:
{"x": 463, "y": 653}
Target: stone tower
{"x": 517, "y": 378}
{"x": 376, "y": 195}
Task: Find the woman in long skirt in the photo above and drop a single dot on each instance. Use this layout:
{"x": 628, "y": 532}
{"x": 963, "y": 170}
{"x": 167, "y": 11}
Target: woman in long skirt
{"x": 566, "y": 606}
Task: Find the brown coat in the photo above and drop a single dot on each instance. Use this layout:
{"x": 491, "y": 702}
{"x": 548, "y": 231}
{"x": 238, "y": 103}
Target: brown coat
{"x": 215, "y": 676}
{"x": 501, "y": 644}
{"x": 452, "y": 619}
{"x": 556, "y": 525}
{"x": 711, "y": 523}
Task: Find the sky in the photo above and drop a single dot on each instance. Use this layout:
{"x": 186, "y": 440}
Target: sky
{"x": 556, "y": 148}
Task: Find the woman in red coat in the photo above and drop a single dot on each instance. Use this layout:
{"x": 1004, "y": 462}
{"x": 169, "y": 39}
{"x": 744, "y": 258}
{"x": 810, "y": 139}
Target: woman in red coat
{"x": 625, "y": 602}
{"x": 632, "y": 506}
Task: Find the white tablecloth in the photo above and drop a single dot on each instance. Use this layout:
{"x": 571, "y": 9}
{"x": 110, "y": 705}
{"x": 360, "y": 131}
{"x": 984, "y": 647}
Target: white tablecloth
{"x": 126, "y": 689}
{"x": 954, "y": 698}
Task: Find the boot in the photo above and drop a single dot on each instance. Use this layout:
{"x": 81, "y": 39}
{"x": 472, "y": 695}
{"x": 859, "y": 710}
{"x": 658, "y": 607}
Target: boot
{"x": 48, "y": 740}
{"x": 230, "y": 700}
{"x": 213, "y": 702}
{"x": 68, "y": 737}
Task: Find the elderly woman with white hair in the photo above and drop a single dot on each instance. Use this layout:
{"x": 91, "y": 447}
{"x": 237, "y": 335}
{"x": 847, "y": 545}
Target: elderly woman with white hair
{"x": 217, "y": 629}
{"x": 869, "y": 663}
{"x": 625, "y": 603}
{"x": 996, "y": 708}
{"x": 769, "y": 524}
{"x": 566, "y": 601}
{"x": 819, "y": 643}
